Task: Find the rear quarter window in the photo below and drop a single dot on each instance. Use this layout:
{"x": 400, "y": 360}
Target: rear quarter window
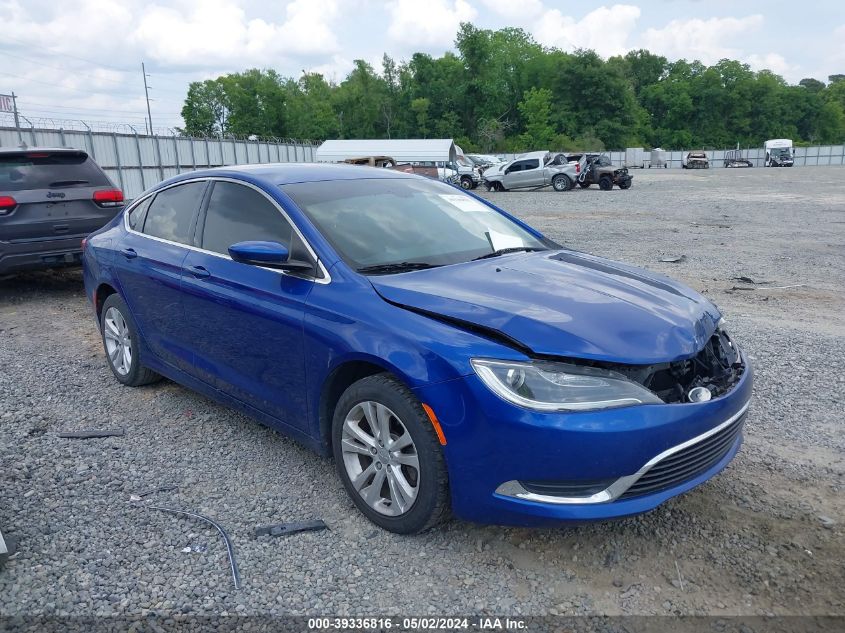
{"x": 21, "y": 172}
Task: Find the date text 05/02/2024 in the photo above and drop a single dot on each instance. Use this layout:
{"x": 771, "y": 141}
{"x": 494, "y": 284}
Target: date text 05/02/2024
{"x": 418, "y": 624}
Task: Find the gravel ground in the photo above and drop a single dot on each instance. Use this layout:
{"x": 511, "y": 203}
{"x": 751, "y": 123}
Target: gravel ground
{"x": 765, "y": 537}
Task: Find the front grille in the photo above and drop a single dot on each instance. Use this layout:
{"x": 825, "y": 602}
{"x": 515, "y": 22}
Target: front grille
{"x": 688, "y": 463}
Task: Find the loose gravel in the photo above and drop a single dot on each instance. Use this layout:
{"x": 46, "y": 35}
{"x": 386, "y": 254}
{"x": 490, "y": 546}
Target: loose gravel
{"x": 764, "y": 537}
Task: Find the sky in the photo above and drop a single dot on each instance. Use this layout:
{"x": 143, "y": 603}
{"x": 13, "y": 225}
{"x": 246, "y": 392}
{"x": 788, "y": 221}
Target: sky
{"x": 81, "y": 59}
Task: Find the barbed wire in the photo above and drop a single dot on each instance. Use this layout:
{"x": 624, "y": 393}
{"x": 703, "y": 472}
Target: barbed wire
{"x": 48, "y": 124}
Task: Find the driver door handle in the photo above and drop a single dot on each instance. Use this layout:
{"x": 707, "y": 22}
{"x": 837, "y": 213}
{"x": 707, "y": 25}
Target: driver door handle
{"x": 199, "y": 272}
{"x": 129, "y": 253}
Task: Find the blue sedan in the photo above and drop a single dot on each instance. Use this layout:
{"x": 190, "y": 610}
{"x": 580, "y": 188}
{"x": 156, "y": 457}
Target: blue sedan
{"x": 451, "y": 358}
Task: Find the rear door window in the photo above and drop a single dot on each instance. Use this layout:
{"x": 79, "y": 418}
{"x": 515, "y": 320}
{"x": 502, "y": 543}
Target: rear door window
{"x": 171, "y": 213}
{"x": 138, "y": 213}
{"x": 45, "y": 170}
{"x": 238, "y": 214}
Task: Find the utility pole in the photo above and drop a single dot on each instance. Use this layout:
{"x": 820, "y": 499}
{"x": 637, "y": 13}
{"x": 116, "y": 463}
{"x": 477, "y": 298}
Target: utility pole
{"x": 147, "y": 95}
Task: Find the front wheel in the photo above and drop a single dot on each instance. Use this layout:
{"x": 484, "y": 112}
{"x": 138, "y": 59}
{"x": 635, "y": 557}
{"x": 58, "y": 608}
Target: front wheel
{"x": 466, "y": 182}
{"x": 388, "y": 456}
{"x": 626, "y": 185}
{"x": 120, "y": 341}
{"x": 562, "y": 182}
{"x": 605, "y": 184}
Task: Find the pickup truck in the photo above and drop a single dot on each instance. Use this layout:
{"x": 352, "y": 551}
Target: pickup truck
{"x": 533, "y": 170}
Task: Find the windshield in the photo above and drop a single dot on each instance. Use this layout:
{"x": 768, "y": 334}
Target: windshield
{"x": 781, "y": 151}
{"x": 377, "y": 222}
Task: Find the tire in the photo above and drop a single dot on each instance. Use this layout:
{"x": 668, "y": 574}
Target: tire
{"x": 584, "y": 185}
{"x": 626, "y": 185}
{"x": 605, "y": 183}
{"x": 562, "y": 182}
{"x": 466, "y": 183}
{"x": 118, "y": 331}
{"x": 358, "y": 449}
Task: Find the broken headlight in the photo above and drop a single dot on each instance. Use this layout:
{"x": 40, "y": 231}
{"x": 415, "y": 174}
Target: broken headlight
{"x": 546, "y": 386}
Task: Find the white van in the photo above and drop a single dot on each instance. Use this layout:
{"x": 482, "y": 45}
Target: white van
{"x": 779, "y": 153}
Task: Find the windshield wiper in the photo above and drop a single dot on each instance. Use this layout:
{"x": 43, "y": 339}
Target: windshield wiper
{"x": 398, "y": 267}
{"x": 67, "y": 183}
{"x": 505, "y": 251}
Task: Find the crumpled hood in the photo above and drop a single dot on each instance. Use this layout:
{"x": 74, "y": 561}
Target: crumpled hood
{"x": 564, "y": 303}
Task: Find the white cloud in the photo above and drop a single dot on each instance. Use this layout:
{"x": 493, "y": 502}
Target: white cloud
{"x": 515, "y": 10}
{"x": 705, "y": 40}
{"x": 430, "y": 24}
{"x": 605, "y": 29}
{"x": 218, "y": 30}
{"x": 334, "y": 70}
{"x": 776, "y": 63}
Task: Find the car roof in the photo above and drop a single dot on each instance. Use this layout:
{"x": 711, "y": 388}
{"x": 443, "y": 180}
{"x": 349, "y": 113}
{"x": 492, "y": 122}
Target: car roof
{"x": 41, "y": 150}
{"x": 290, "y": 173}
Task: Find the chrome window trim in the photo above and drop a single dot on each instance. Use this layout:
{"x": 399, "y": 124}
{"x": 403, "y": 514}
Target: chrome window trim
{"x": 326, "y": 277}
{"x": 615, "y": 490}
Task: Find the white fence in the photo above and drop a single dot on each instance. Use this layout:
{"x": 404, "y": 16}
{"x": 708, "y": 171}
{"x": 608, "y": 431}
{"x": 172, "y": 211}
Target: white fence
{"x": 136, "y": 162}
{"x": 821, "y": 155}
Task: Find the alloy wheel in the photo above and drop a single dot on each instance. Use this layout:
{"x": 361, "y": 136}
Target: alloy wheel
{"x": 118, "y": 341}
{"x": 380, "y": 458}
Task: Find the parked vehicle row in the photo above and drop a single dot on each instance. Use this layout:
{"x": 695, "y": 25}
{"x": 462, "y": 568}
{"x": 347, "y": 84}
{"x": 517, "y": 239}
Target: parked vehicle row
{"x": 533, "y": 170}
{"x": 562, "y": 172}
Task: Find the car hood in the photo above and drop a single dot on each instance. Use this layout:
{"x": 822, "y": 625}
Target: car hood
{"x": 564, "y": 303}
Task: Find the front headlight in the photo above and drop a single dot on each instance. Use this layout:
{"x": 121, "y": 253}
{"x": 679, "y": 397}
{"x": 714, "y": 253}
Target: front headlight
{"x": 546, "y": 386}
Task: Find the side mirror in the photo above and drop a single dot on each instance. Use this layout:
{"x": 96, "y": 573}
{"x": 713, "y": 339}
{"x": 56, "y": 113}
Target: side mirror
{"x": 269, "y": 254}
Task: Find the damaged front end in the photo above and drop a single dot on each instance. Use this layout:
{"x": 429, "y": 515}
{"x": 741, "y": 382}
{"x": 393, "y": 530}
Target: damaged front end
{"x": 717, "y": 368}
{"x": 621, "y": 177}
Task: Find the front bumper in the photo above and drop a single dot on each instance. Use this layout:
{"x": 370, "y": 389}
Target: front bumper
{"x": 39, "y": 254}
{"x": 491, "y": 443}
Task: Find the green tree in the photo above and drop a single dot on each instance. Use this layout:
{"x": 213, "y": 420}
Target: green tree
{"x": 205, "y": 110}
{"x": 536, "y": 110}
{"x": 419, "y": 107}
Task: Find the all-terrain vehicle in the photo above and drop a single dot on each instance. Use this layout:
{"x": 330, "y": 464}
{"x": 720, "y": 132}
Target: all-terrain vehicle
{"x": 596, "y": 169}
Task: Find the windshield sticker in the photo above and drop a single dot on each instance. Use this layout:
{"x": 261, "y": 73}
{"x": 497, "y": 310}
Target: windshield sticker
{"x": 464, "y": 203}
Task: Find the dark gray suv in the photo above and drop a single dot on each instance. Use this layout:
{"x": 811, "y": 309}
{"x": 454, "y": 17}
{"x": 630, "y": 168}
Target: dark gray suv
{"x": 50, "y": 199}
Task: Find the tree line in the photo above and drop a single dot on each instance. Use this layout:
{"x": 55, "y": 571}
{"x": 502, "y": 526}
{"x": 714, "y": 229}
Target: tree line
{"x": 503, "y": 91}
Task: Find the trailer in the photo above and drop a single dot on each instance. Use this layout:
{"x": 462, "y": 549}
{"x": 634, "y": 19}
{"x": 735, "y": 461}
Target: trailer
{"x": 658, "y": 158}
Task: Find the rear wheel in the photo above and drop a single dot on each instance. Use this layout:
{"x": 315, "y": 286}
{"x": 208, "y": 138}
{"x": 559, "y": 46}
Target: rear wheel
{"x": 605, "y": 183}
{"x": 562, "y": 182}
{"x": 388, "y": 457}
{"x": 120, "y": 341}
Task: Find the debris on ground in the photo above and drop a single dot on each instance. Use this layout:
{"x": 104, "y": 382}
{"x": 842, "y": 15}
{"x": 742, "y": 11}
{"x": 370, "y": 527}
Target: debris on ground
{"x": 286, "y": 529}
{"x": 140, "y": 495}
{"x": 236, "y": 575}
{"x": 672, "y": 259}
{"x": 91, "y": 434}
